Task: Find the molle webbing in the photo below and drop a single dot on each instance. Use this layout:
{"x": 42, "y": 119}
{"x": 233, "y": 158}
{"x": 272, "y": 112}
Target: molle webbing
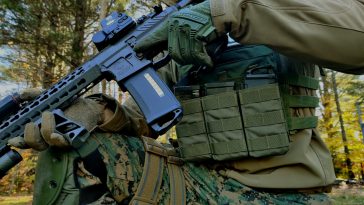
{"x": 244, "y": 106}
{"x": 300, "y": 80}
{"x": 299, "y": 101}
{"x": 264, "y": 120}
{"x": 243, "y": 65}
{"x": 156, "y": 157}
{"x": 233, "y": 124}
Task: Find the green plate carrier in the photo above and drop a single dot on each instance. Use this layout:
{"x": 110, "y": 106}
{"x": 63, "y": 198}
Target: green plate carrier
{"x": 241, "y": 108}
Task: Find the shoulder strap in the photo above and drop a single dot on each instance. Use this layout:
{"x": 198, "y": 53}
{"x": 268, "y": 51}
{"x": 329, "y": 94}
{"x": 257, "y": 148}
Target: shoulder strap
{"x": 155, "y": 159}
{"x": 176, "y": 179}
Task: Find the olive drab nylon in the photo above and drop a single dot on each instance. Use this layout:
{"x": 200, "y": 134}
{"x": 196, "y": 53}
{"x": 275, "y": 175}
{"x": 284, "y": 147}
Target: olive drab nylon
{"x": 54, "y": 174}
{"x": 51, "y": 180}
{"x": 242, "y": 108}
{"x": 295, "y": 77}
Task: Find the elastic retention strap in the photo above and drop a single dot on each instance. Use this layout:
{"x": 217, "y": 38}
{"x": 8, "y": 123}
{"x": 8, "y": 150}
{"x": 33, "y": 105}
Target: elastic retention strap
{"x": 267, "y": 118}
{"x": 259, "y": 94}
{"x": 301, "y": 80}
{"x": 191, "y": 129}
{"x": 192, "y": 106}
{"x": 233, "y": 146}
{"x": 295, "y": 101}
{"x": 197, "y": 149}
{"x": 296, "y": 123}
{"x": 148, "y": 188}
{"x": 222, "y": 125}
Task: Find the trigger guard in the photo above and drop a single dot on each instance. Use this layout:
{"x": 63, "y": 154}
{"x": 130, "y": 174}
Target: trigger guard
{"x": 162, "y": 62}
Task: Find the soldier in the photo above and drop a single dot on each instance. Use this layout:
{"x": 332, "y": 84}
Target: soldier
{"x": 300, "y": 30}
{"x": 109, "y": 168}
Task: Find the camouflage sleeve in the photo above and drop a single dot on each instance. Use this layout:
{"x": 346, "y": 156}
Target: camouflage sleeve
{"x": 208, "y": 186}
{"x": 124, "y": 159}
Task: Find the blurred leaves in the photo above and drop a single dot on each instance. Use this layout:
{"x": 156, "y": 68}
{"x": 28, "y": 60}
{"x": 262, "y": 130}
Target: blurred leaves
{"x": 21, "y": 178}
{"x": 349, "y": 87}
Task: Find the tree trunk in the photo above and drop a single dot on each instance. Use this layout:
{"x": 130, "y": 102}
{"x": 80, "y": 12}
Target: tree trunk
{"x": 79, "y": 32}
{"x": 50, "y": 65}
{"x": 343, "y": 133}
{"x": 326, "y": 100}
{"x": 34, "y": 75}
{"x": 104, "y": 5}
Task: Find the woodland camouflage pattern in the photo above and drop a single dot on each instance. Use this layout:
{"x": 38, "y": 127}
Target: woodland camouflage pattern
{"x": 124, "y": 158}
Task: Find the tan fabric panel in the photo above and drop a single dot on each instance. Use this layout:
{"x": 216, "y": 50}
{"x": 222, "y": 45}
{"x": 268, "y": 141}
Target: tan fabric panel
{"x": 298, "y": 28}
{"x": 307, "y": 164}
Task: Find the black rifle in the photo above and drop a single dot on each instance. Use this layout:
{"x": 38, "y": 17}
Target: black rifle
{"x": 116, "y": 61}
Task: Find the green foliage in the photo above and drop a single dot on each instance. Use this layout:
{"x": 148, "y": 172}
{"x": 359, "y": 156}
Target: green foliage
{"x": 16, "y": 200}
{"x": 348, "y": 87}
{"x": 138, "y": 7}
{"x": 348, "y": 199}
{"x": 344, "y": 194}
{"x": 47, "y": 36}
{"x": 50, "y": 38}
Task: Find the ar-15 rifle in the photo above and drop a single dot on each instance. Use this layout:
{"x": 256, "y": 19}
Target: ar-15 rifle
{"x": 116, "y": 61}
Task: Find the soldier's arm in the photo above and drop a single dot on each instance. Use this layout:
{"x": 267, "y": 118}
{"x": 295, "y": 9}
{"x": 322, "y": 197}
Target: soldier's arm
{"x": 327, "y": 32}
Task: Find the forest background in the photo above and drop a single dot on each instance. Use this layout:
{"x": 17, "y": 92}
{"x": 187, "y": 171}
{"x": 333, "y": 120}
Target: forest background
{"x": 42, "y": 41}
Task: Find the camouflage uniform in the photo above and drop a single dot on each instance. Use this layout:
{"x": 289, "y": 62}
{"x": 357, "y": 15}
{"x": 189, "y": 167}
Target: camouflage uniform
{"x": 124, "y": 158}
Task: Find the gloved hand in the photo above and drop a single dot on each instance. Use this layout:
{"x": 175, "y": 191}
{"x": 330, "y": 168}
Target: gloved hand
{"x": 185, "y": 34}
{"x": 96, "y": 110}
